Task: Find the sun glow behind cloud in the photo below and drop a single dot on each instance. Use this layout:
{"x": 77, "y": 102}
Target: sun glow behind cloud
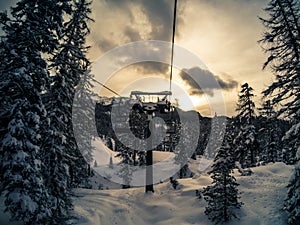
{"x": 152, "y": 83}
{"x": 223, "y": 34}
{"x": 126, "y": 80}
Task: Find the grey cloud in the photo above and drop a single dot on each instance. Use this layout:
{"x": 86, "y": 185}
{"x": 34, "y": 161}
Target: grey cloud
{"x": 148, "y": 52}
{"x": 105, "y": 44}
{"x": 132, "y": 34}
{"x": 150, "y": 68}
{"x": 159, "y": 14}
{"x": 203, "y": 81}
{"x": 160, "y": 17}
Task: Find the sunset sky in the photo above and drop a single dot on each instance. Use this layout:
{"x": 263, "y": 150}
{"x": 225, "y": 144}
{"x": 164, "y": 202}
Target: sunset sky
{"x": 221, "y": 33}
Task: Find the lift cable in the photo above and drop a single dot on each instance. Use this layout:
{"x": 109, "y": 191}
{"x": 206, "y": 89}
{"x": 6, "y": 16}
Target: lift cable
{"x": 172, "y": 55}
{"x": 107, "y": 88}
{"x": 173, "y": 37}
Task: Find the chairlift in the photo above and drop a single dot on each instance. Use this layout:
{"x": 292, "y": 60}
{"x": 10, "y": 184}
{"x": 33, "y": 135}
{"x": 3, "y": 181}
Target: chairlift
{"x": 152, "y": 104}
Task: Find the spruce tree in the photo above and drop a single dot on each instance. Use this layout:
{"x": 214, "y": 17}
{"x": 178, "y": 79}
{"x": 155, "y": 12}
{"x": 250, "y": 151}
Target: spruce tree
{"x": 246, "y": 142}
{"x": 246, "y": 106}
{"x": 65, "y": 166}
{"x": 125, "y": 171}
{"x": 37, "y": 149}
{"x": 56, "y": 159}
{"x": 83, "y": 120}
{"x": 216, "y": 136}
{"x": 111, "y": 164}
{"x": 70, "y": 64}
{"x": 292, "y": 203}
{"x": 222, "y": 197}
{"x": 183, "y": 151}
{"x": 270, "y": 151}
{"x": 281, "y": 41}
{"x": 23, "y": 78}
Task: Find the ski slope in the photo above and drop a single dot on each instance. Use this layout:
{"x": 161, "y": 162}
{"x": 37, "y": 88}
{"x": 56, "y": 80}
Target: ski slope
{"x": 263, "y": 194}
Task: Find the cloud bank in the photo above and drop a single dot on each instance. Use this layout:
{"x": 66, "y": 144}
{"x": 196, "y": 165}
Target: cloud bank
{"x": 202, "y": 82}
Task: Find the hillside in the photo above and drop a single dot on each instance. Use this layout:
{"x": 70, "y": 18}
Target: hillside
{"x": 262, "y": 193}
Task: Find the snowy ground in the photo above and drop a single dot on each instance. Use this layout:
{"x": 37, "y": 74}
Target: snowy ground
{"x": 263, "y": 194}
{"x": 164, "y": 167}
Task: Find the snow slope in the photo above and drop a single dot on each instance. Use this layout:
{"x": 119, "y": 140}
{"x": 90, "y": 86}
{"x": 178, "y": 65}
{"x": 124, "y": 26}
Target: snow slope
{"x": 164, "y": 167}
{"x": 263, "y": 194}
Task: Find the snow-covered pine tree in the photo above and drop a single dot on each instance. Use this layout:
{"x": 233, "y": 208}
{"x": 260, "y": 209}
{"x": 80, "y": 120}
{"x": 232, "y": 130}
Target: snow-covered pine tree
{"x": 246, "y": 106}
{"x": 281, "y": 41}
{"x": 125, "y": 171}
{"x": 223, "y": 196}
{"x": 182, "y": 154}
{"x": 270, "y": 151}
{"x": 69, "y": 64}
{"x": 47, "y": 15}
{"x": 139, "y": 126}
{"x": 84, "y": 124}
{"x": 83, "y": 116}
{"x": 65, "y": 166}
{"x": 23, "y": 79}
{"x": 216, "y": 136}
{"x": 292, "y": 203}
{"x": 111, "y": 163}
{"x": 95, "y": 164}
{"x": 246, "y": 143}
{"x": 56, "y": 158}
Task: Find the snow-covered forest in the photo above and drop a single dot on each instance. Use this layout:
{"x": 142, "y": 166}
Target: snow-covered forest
{"x": 55, "y": 169}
